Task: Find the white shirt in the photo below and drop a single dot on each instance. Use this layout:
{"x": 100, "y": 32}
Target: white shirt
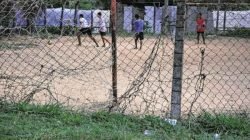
{"x": 102, "y": 25}
{"x": 84, "y": 23}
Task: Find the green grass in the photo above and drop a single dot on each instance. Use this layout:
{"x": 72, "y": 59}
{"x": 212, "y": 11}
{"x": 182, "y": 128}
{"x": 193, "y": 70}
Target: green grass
{"x": 24, "y": 121}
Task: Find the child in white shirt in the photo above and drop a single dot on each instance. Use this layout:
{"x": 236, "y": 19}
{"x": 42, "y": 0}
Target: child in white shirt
{"x": 85, "y": 29}
{"x": 102, "y": 29}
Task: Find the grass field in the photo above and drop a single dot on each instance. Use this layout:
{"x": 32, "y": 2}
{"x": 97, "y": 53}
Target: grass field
{"x": 50, "y": 122}
{"x": 58, "y": 70}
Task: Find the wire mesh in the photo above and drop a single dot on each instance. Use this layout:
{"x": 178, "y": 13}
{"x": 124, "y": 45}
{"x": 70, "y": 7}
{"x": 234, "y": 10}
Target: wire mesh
{"x": 42, "y": 62}
{"x": 216, "y": 74}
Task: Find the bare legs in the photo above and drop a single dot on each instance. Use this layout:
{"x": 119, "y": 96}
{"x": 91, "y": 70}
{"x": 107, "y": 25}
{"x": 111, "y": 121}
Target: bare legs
{"x": 90, "y": 36}
{"x": 105, "y": 40}
{"x": 198, "y": 37}
{"x": 79, "y": 38}
{"x": 136, "y": 40}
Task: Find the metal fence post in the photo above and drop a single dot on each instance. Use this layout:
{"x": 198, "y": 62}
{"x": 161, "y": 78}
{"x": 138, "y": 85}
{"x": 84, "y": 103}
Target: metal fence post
{"x": 178, "y": 62}
{"x": 45, "y": 15}
{"x": 61, "y": 18}
{"x": 218, "y": 17}
{"x": 114, "y": 51}
{"x": 224, "y": 20}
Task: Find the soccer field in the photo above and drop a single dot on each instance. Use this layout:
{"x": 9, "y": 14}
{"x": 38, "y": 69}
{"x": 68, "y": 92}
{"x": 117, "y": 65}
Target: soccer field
{"x": 58, "y": 70}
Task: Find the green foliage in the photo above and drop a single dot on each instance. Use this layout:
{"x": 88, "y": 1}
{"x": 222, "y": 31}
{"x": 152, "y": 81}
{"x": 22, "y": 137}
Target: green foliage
{"x": 86, "y": 4}
{"x": 67, "y": 30}
{"x": 238, "y": 32}
{"x": 56, "y": 3}
{"x": 83, "y": 4}
{"x": 26, "y": 121}
{"x": 103, "y": 4}
{"x": 6, "y": 13}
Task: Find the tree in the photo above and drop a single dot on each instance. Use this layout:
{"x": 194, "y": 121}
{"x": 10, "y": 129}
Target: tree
{"x": 83, "y": 4}
{"x": 86, "y": 4}
{"x": 103, "y": 4}
{"x": 6, "y": 13}
{"x": 30, "y": 9}
{"x": 7, "y": 16}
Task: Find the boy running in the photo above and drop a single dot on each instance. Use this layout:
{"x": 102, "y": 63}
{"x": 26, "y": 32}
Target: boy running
{"x": 138, "y": 26}
{"x": 200, "y": 27}
{"x": 102, "y": 29}
{"x": 84, "y": 29}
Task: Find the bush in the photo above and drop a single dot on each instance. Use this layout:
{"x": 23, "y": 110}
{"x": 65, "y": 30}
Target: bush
{"x": 238, "y": 32}
{"x": 67, "y": 30}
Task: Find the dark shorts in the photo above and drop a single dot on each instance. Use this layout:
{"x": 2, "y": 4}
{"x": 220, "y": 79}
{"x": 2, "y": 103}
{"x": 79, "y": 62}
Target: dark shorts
{"x": 200, "y": 32}
{"x": 86, "y": 31}
{"x": 139, "y": 36}
{"x": 102, "y": 33}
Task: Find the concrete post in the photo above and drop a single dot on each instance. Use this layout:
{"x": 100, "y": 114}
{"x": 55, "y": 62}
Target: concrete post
{"x": 178, "y": 62}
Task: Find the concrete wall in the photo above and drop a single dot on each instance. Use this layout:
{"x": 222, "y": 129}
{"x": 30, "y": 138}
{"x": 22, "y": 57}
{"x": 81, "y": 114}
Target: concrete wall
{"x": 151, "y": 15}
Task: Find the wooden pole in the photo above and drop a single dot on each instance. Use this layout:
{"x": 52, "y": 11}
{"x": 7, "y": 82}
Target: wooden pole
{"x": 114, "y": 51}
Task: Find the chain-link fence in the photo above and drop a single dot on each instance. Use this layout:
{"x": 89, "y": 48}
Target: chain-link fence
{"x": 42, "y": 60}
{"x": 216, "y": 74}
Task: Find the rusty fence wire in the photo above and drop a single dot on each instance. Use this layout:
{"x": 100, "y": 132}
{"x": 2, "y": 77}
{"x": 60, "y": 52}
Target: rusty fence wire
{"x": 42, "y": 62}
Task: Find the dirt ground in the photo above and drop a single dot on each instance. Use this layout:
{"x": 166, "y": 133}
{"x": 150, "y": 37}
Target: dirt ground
{"x": 58, "y": 70}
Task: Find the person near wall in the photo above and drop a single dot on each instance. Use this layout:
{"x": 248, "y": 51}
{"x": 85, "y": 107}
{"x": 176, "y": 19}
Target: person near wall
{"x": 138, "y": 26}
{"x": 200, "y": 28}
{"x": 102, "y": 29}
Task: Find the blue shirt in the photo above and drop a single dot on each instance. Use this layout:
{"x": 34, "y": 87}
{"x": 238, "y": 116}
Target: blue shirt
{"x": 139, "y": 25}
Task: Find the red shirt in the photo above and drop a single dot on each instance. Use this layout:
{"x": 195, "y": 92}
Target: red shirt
{"x": 200, "y": 25}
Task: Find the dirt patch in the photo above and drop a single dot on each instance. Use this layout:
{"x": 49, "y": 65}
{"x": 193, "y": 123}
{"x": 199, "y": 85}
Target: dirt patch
{"x": 59, "y": 70}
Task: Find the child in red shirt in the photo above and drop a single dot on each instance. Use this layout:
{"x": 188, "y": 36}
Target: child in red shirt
{"x": 200, "y": 27}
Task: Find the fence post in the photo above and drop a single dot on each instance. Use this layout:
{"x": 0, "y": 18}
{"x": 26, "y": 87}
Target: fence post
{"x": 154, "y": 18}
{"x": 114, "y": 51}
{"x": 218, "y": 15}
{"x": 61, "y": 18}
{"x": 92, "y": 19}
{"x": 45, "y": 15}
{"x": 75, "y": 14}
{"x": 224, "y": 20}
{"x": 178, "y": 62}
{"x": 164, "y": 16}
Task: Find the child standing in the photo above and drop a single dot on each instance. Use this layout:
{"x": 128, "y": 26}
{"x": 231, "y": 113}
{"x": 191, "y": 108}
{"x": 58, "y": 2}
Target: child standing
{"x": 200, "y": 27}
{"x": 138, "y": 26}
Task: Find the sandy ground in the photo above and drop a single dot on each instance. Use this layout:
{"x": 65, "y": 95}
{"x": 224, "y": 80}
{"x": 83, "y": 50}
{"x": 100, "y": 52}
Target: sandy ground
{"x": 58, "y": 70}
